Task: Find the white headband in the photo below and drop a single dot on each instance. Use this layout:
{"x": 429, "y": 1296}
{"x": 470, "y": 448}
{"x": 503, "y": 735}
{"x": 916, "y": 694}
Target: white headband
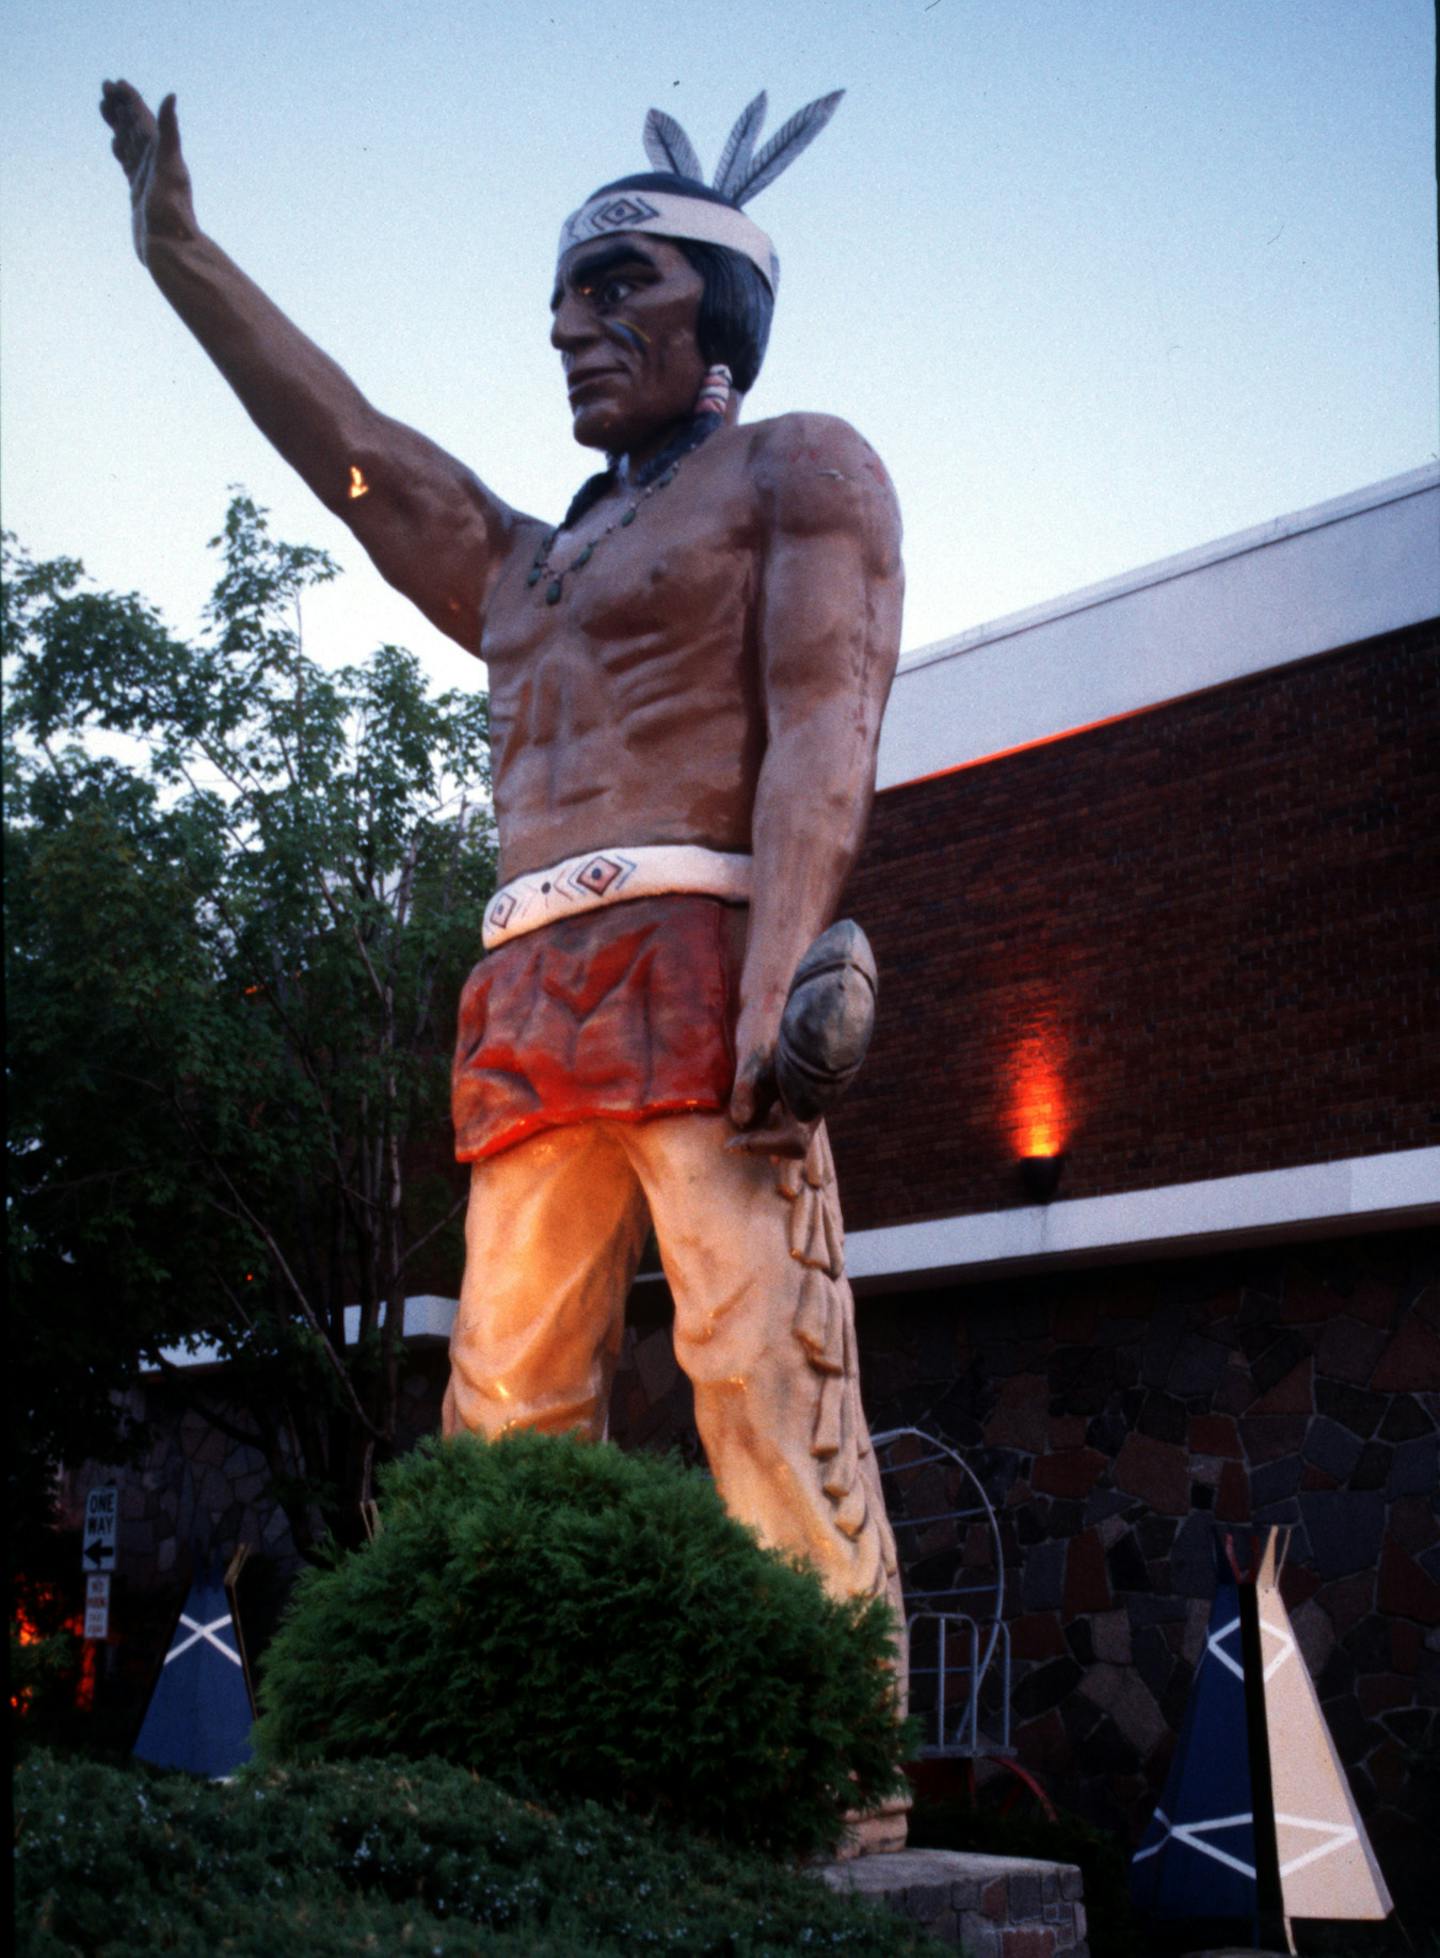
{"x": 671, "y": 214}
{"x": 678, "y": 213}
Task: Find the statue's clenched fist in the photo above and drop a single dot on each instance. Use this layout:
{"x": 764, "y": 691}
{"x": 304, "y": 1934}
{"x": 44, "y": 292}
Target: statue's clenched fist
{"x": 149, "y": 153}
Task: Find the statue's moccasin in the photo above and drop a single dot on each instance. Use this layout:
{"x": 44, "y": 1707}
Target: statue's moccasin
{"x": 828, "y": 1020}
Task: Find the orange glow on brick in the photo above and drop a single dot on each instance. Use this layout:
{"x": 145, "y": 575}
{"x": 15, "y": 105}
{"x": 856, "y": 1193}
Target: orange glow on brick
{"x": 1041, "y": 741}
{"x": 1024, "y": 747}
{"x": 1039, "y": 1112}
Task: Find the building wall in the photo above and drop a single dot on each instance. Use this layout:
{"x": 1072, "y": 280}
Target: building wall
{"x": 193, "y": 1496}
{"x": 1354, "y": 568}
{"x": 1120, "y": 1419}
{"x": 198, "y": 1490}
{"x": 1193, "y": 942}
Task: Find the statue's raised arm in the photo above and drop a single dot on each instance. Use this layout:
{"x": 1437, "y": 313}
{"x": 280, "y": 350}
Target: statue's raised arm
{"x": 433, "y": 529}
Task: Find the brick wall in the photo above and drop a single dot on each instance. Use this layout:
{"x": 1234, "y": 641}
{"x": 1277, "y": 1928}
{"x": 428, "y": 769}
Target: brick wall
{"x": 1196, "y": 942}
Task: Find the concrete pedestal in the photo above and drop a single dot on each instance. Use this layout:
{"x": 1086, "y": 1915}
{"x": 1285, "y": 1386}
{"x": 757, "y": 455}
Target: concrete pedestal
{"x": 995, "y": 1906}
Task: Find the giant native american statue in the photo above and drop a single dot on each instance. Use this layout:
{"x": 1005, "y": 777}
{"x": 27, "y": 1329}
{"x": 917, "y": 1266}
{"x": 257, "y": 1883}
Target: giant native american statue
{"x": 687, "y": 678}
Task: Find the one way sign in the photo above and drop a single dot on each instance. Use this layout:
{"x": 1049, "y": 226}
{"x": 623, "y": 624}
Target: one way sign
{"x": 102, "y": 1511}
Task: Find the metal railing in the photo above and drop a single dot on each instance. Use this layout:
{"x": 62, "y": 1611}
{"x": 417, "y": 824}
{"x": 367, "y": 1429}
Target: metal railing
{"x": 959, "y": 1642}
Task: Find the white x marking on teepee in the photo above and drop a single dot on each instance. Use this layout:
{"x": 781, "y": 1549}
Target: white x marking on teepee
{"x": 1190, "y": 1833}
{"x": 1155, "y": 1847}
{"x": 1339, "y": 1833}
{"x": 207, "y": 1632}
{"x": 1217, "y": 1650}
{"x": 1285, "y": 1639}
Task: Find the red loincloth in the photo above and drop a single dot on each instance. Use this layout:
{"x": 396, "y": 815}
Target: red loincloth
{"x": 621, "y": 1013}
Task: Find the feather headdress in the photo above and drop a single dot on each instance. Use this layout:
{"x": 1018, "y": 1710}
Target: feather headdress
{"x": 714, "y": 216}
{"x": 741, "y": 173}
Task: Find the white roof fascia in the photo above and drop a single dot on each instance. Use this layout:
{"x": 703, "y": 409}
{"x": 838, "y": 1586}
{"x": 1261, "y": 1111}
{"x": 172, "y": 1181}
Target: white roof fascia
{"x": 427, "y": 1317}
{"x": 1331, "y": 576}
{"x": 1355, "y": 1194}
{"x": 1360, "y": 1193}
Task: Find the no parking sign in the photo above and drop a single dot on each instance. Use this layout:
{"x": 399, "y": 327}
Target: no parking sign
{"x": 97, "y": 1605}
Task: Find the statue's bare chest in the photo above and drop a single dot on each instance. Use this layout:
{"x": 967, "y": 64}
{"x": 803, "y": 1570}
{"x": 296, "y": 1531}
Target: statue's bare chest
{"x": 621, "y": 618}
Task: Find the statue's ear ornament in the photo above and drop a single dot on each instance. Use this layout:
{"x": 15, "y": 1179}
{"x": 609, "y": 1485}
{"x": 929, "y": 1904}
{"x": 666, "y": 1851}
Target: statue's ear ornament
{"x": 742, "y": 172}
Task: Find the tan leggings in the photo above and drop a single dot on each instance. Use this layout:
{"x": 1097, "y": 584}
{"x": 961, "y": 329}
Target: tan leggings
{"x": 764, "y": 1319}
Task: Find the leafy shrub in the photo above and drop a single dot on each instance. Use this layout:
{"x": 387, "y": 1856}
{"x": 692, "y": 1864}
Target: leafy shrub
{"x": 580, "y": 1623}
{"x": 42, "y": 1686}
{"x": 389, "y": 1857}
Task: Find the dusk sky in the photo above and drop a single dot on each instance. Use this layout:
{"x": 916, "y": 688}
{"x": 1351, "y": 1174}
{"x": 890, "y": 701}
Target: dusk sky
{"x": 1100, "y": 279}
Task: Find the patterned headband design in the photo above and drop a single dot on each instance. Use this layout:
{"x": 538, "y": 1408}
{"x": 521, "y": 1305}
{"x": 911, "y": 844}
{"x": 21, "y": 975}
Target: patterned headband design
{"x": 678, "y": 213}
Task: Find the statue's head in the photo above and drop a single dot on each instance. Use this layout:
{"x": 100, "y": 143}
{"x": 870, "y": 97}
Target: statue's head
{"x": 658, "y": 264}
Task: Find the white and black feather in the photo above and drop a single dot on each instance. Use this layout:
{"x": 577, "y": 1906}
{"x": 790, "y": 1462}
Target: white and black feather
{"x": 669, "y": 148}
{"x": 740, "y": 145}
{"x": 783, "y": 147}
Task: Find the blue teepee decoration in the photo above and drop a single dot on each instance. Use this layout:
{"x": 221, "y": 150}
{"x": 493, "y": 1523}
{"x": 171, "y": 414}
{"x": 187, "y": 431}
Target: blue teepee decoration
{"x": 1257, "y": 1820}
{"x": 199, "y": 1714}
{"x": 1197, "y": 1857}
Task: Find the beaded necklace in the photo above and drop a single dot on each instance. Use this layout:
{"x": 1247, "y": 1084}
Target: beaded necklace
{"x": 649, "y": 480}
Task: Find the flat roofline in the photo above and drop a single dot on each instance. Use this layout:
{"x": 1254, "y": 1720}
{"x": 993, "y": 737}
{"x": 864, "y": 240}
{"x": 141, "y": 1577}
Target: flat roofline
{"x": 1344, "y": 573}
{"x": 1394, "y": 489}
{"x": 428, "y": 1319}
{"x": 1354, "y": 1195}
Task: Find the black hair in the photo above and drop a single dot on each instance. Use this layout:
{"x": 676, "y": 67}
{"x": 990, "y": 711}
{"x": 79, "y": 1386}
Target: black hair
{"x": 736, "y": 303}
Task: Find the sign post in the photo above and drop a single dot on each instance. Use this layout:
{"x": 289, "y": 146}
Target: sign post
{"x": 102, "y": 1514}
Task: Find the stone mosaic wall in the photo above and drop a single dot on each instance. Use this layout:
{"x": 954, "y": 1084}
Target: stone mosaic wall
{"x": 196, "y": 1491}
{"x": 1116, "y": 1416}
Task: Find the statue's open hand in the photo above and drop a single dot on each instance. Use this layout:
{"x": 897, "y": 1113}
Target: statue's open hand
{"x": 765, "y": 1125}
{"x": 149, "y": 153}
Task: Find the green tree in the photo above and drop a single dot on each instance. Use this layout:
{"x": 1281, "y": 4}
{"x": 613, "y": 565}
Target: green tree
{"x": 242, "y": 892}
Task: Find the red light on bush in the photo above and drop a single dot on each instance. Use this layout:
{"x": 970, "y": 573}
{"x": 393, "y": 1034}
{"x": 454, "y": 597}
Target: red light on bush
{"x": 28, "y": 1630}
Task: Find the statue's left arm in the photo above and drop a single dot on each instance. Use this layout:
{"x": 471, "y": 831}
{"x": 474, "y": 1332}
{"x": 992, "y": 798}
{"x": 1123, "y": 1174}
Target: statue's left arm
{"x": 829, "y": 638}
{"x": 433, "y": 529}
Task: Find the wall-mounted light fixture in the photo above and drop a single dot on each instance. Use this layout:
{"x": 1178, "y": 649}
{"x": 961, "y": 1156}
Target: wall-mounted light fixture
{"x": 1041, "y": 1175}
{"x": 1040, "y": 1117}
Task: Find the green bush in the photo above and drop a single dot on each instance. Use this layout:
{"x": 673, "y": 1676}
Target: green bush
{"x": 582, "y": 1624}
{"x": 389, "y": 1857}
{"x": 42, "y": 1687}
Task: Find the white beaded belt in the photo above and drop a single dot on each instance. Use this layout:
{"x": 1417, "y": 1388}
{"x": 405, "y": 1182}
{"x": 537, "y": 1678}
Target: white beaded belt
{"x": 603, "y": 877}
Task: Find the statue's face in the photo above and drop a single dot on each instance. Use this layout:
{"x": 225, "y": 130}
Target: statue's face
{"x": 625, "y": 312}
